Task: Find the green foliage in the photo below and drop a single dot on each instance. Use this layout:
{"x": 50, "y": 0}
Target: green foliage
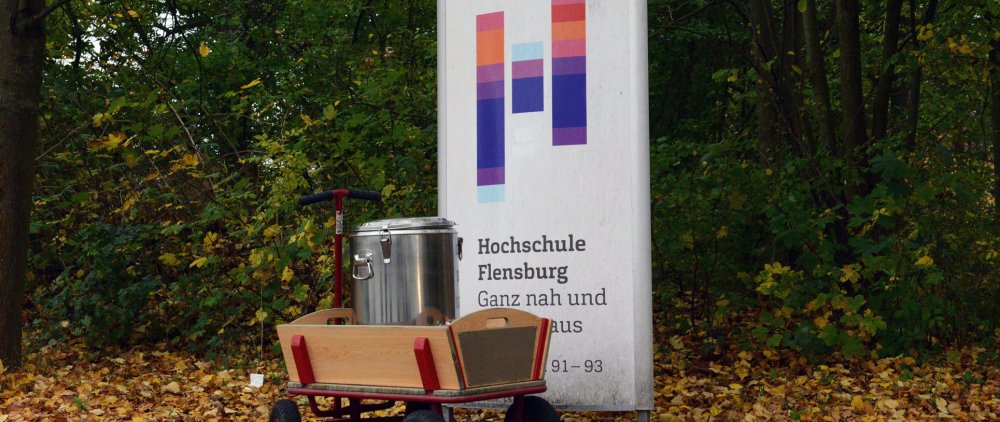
{"x": 176, "y": 140}
{"x": 891, "y": 249}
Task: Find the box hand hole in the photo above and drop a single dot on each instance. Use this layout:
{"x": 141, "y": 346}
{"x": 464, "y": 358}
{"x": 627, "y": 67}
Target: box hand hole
{"x": 496, "y": 323}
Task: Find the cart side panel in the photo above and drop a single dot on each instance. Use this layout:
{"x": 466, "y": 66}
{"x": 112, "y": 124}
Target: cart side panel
{"x": 478, "y": 336}
{"x": 369, "y": 355}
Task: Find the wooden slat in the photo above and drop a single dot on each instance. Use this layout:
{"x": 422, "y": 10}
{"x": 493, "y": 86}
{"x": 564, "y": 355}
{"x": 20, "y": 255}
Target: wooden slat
{"x": 369, "y": 355}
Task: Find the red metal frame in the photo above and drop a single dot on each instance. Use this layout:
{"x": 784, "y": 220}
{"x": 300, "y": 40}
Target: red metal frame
{"x": 425, "y": 362}
{"x": 302, "y": 364}
{"x": 338, "y": 246}
{"x": 425, "y": 398}
{"x": 539, "y": 369}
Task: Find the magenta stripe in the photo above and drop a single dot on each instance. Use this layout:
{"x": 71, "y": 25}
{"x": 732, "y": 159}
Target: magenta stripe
{"x": 490, "y": 176}
{"x": 489, "y": 21}
{"x": 489, "y": 90}
{"x": 489, "y": 73}
{"x": 569, "y": 65}
{"x": 569, "y": 48}
{"x": 527, "y": 69}
{"x": 569, "y": 135}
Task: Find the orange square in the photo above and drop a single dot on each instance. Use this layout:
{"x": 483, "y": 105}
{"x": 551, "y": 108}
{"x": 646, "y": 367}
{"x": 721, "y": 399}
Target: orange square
{"x": 572, "y": 30}
{"x": 489, "y": 47}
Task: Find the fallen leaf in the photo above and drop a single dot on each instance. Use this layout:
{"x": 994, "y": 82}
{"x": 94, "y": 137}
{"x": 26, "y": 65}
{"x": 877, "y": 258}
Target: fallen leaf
{"x": 858, "y": 403}
{"x": 173, "y": 387}
{"x": 942, "y": 404}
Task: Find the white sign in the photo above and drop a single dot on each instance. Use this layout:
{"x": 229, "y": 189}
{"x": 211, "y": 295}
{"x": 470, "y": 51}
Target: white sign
{"x": 544, "y": 166}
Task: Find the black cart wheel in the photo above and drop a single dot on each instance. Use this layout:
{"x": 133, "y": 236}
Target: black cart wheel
{"x": 424, "y": 416}
{"x": 414, "y": 406}
{"x": 285, "y": 411}
{"x": 536, "y": 409}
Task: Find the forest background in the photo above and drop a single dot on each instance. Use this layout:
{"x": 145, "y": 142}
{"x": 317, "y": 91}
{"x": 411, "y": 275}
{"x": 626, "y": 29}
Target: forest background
{"x": 824, "y": 173}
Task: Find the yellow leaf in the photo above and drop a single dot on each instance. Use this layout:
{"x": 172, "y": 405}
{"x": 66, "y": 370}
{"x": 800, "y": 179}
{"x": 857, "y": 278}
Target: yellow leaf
{"x": 260, "y": 315}
{"x": 187, "y": 161}
{"x": 820, "y": 321}
{"x": 715, "y": 411}
{"x": 173, "y": 387}
{"x": 169, "y": 259}
{"x": 2, "y": 368}
{"x": 676, "y": 343}
{"x": 203, "y": 49}
{"x": 688, "y": 240}
{"x": 924, "y": 261}
{"x": 850, "y": 273}
{"x": 942, "y": 404}
{"x": 308, "y": 120}
{"x": 133, "y": 13}
{"x": 99, "y": 119}
{"x": 210, "y": 239}
{"x": 272, "y": 231}
{"x": 858, "y": 403}
{"x": 200, "y": 262}
{"x": 287, "y": 274}
{"x": 131, "y": 160}
{"x": 252, "y": 84}
{"x": 127, "y": 205}
{"x": 109, "y": 142}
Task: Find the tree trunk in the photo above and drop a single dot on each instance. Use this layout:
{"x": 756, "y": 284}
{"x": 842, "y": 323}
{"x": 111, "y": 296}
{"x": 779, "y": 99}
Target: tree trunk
{"x": 890, "y": 44}
{"x": 917, "y": 76}
{"x": 764, "y": 49}
{"x": 817, "y": 75}
{"x": 995, "y": 122}
{"x": 852, "y": 98}
{"x": 22, "y": 54}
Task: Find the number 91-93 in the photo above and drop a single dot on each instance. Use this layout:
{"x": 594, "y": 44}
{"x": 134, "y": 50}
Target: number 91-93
{"x": 562, "y": 365}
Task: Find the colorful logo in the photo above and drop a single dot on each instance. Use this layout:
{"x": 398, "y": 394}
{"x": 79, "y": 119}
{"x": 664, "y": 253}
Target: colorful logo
{"x": 569, "y": 88}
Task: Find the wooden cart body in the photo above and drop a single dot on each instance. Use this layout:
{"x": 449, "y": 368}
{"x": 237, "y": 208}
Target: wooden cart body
{"x": 489, "y": 354}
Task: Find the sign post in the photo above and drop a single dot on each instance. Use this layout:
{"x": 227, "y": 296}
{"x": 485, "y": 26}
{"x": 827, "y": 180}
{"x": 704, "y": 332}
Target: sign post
{"x": 544, "y": 166}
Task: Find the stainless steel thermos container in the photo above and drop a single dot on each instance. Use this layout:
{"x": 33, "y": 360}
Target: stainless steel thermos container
{"x": 404, "y": 271}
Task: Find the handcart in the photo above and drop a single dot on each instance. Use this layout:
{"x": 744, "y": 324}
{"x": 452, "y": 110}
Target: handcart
{"x": 487, "y": 355}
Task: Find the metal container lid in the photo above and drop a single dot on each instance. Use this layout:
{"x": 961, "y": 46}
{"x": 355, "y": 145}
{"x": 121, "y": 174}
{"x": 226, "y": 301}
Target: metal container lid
{"x": 412, "y": 223}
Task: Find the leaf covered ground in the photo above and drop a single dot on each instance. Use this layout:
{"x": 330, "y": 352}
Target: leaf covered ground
{"x": 66, "y": 382}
